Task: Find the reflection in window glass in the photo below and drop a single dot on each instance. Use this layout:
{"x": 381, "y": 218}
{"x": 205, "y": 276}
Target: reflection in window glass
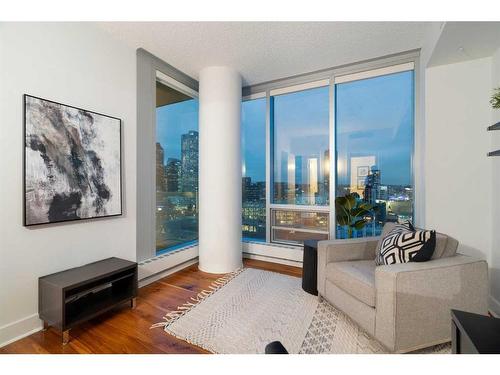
{"x": 253, "y": 147}
{"x": 176, "y": 170}
{"x": 294, "y": 226}
{"x": 374, "y": 137}
{"x": 301, "y": 147}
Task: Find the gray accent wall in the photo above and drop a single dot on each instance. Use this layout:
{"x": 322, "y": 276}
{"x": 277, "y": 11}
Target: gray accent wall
{"x": 147, "y": 66}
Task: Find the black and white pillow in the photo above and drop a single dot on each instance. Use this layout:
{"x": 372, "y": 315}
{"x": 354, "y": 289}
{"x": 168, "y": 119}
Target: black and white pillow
{"x": 405, "y": 244}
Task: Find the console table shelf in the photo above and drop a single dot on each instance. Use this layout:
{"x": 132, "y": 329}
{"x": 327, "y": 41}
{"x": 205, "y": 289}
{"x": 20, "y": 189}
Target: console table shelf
{"x": 490, "y": 128}
{"x": 494, "y": 127}
{"x": 74, "y": 296}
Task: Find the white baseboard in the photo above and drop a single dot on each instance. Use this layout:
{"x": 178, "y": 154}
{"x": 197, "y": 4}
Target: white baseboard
{"x": 160, "y": 275}
{"x": 494, "y": 306}
{"x": 21, "y": 328}
{"x": 273, "y": 259}
{"x": 277, "y": 253}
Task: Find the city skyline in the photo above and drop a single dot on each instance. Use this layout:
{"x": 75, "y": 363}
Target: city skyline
{"x": 173, "y": 121}
{"x": 178, "y": 175}
{"x": 390, "y": 139}
{"x": 366, "y": 142}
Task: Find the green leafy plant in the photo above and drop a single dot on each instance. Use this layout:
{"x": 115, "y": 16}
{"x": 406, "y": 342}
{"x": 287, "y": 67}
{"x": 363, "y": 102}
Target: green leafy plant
{"x": 495, "y": 98}
{"x": 352, "y": 212}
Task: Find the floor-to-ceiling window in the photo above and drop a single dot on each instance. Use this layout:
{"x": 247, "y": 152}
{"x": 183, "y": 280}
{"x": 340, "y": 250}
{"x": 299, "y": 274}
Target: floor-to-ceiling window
{"x": 253, "y": 147}
{"x": 340, "y": 153}
{"x": 176, "y": 169}
{"x": 300, "y": 165}
{"x": 374, "y": 145}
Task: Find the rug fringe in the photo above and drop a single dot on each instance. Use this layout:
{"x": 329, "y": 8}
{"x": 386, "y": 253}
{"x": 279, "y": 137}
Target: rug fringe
{"x": 172, "y": 316}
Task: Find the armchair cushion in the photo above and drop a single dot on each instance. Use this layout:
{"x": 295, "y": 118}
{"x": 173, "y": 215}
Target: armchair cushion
{"x": 385, "y": 231}
{"x": 446, "y": 246}
{"x": 356, "y": 278}
{"x": 333, "y": 251}
{"x": 404, "y": 244}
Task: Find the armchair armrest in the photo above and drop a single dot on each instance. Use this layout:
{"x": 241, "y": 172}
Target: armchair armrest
{"x": 341, "y": 251}
{"x": 413, "y": 300}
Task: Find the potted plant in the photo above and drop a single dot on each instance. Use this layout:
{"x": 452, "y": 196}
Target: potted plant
{"x": 495, "y": 98}
{"x": 352, "y": 212}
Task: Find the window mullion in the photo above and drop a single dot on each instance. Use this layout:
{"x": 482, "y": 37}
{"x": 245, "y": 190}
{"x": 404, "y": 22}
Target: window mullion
{"x": 269, "y": 168}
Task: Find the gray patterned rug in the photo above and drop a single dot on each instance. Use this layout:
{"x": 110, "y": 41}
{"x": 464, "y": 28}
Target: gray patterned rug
{"x": 250, "y": 308}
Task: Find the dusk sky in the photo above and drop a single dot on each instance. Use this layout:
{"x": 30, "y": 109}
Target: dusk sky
{"x": 373, "y": 117}
{"x": 253, "y": 139}
{"x": 173, "y": 120}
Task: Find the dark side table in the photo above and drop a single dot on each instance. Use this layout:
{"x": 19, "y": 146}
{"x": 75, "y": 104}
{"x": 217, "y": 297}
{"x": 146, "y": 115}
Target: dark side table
{"x": 474, "y": 333}
{"x": 69, "y": 298}
{"x": 310, "y": 267}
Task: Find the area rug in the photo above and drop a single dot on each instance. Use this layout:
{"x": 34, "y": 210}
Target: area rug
{"x": 244, "y": 311}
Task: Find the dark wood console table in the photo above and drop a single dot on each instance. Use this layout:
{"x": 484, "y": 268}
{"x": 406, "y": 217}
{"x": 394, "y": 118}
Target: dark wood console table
{"x": 71, "y": 297}
{"x": 474, "y": 333}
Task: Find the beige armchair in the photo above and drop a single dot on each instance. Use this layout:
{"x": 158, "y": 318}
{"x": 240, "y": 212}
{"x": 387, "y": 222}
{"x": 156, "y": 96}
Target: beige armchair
{"x": 404, "y": 306}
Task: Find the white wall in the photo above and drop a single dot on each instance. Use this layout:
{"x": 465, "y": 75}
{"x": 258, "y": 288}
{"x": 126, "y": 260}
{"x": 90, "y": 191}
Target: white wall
{"x": 458, "y": 174}
{"x": 82, "y": 66}
{"x": 495, "y": 145}
{"x": 429, "y": 42}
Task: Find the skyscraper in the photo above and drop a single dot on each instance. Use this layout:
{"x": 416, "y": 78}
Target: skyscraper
{"x": 160, "y": 169}
{"x": 246, "y": 182}
{"x": 299, "y": 182}
{"x": 372, "y": 186}
{"x": 326, "y": 175}
{"x": 189, "y": 161}
{"x": 372, "y": 195}
{"x": 173, "y": 174}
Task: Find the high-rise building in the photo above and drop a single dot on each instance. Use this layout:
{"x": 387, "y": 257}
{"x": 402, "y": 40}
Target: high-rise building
{"x": 253, "y": 191}
{"x": 160, "y": 168}
{"x": 326, "y": 174}
{"x": 173, "y": 174}
{"x": 372, "y": 186}
{"x": 246, "y": 182}
{"x": 373, "y": 195}
{"x": 298, "y": 170}
{"x": 189, "y": 161}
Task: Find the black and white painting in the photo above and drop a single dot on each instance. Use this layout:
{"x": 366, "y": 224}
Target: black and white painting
{"x": 72, "y": 163}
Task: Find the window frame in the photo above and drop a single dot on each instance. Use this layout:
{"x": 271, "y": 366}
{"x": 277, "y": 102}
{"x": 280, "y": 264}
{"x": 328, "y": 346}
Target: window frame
{"x": 180, "y": 87}
{"x": 176, "y": 85}
{"x": 148, "y": 68}
{"x": 262, "y": 95}
{"x": 359, "y": 76}
{"x": 283, "y": 91}
{"x": 351, "y": 72}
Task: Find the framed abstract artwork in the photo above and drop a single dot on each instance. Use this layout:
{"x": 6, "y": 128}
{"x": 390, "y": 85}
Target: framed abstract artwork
{"x": 72, "y": 163}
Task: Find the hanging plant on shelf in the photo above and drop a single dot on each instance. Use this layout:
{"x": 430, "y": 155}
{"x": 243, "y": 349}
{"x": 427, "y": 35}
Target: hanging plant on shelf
{"x": 495, "y": 98}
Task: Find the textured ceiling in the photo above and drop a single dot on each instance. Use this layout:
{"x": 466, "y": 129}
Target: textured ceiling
{"x": 461, "y": 41}
{"x": 264, "y": 51}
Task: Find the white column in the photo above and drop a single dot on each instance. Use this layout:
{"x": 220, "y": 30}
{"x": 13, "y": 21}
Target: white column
{"x": 220, "y": 170}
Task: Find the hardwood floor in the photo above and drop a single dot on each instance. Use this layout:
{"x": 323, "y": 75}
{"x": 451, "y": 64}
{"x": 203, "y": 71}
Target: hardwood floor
{"x": 128, "y": 331}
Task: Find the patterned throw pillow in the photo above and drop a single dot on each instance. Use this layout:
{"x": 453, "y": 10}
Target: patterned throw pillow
{"x": 405, "y": 244}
